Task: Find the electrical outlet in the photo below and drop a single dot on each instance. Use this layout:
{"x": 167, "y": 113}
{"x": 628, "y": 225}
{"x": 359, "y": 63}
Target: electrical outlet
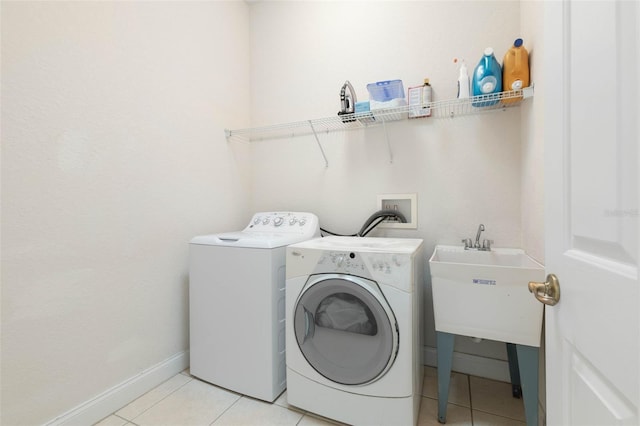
{"x": 407, "y": 204}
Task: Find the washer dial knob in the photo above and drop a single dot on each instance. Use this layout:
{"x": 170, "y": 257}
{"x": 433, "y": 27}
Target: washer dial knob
{"x": 278, "y": 221}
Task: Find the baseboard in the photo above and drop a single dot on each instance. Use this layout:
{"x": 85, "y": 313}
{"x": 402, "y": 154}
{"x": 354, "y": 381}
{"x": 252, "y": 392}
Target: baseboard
{"x": 474, "y": 365}
{"x": 113, "y": 399}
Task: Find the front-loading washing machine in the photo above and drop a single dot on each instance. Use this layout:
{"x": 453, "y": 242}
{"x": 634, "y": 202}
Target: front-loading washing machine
{"x": 354, "y": 328}
{"x": 237, "y": 303}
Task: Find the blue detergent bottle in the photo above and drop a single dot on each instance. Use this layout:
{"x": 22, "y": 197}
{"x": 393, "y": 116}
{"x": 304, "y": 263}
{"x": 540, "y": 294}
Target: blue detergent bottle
{"x": 487, "y": 79}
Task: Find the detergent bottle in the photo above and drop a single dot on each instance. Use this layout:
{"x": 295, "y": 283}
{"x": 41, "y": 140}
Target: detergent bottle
{"x": 463, "y": 81}
{"x": 515, "y": 72}
{"x": 486, "y": 79}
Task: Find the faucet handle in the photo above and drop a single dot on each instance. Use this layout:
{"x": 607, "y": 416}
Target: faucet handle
{"x": 467, "y": 243}
{"x": 486, "y": 244}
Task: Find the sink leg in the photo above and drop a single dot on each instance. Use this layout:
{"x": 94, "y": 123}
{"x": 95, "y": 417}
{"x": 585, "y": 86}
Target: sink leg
{"x": 512, "y": 354}
{"x": 445, "y": 343}
{"x": 528, "y": 362}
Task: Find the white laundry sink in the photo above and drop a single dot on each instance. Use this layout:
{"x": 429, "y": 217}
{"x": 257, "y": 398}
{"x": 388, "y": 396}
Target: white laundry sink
{"x": 484, "y": 294}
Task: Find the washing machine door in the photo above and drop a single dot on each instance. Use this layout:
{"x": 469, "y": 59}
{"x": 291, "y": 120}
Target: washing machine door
{"x": 345, "y": 328}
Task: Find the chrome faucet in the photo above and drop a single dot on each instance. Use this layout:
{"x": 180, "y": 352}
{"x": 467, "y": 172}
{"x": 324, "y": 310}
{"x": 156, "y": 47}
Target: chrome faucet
{"x": 469, "y": 245}
{"x": 480, "y": 229}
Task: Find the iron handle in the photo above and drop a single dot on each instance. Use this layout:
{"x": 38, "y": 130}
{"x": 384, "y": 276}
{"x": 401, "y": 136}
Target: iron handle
{"x": 547, "y": 292}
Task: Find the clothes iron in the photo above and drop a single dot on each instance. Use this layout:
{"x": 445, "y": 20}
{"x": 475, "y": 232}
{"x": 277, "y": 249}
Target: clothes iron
{"x": 347, "y": 102}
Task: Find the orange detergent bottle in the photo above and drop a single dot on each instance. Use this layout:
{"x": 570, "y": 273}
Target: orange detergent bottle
{"x": 515, "y": 69}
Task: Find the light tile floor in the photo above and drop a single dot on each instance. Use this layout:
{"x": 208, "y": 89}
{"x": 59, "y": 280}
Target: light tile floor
{"x": 183, "y": 400}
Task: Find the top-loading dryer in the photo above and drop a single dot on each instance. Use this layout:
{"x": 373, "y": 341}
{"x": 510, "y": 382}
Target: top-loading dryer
{"x": 237, "y": 303}
{"x": 354, "y": 328}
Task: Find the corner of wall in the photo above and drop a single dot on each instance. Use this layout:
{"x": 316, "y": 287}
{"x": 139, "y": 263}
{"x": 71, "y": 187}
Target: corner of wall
{"x": 532, "y": 199}
{"x": 532, "y": 182}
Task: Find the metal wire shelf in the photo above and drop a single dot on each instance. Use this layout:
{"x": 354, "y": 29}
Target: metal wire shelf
{"x": 439, "y": 109}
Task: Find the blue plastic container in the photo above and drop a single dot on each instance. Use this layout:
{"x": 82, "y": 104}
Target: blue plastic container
{"x": 486, "y": 80}
{"x": 385, "y": 91}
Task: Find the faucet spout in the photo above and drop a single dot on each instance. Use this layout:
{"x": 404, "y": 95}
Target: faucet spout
{"x": 477, "y": 243}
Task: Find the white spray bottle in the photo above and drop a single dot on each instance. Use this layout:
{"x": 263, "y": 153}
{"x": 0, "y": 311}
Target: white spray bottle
{"x": 463, "y": 81}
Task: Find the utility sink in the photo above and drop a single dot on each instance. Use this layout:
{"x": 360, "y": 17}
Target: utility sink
{"x": 484, "y": 294}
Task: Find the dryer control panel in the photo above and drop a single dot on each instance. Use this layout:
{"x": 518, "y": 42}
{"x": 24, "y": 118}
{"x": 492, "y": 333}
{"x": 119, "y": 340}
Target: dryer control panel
{"x": 388, "y": 268}
{"x": 342, "y": 261}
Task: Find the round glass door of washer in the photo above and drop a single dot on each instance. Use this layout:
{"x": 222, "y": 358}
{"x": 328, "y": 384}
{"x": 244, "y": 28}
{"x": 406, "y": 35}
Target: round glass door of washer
{"x": 345, "y": 328}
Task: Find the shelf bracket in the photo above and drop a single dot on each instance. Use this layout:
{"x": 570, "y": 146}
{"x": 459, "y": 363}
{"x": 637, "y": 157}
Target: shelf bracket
{"x": 386, "y": 134}
{"x": 527, "y": 92}
{"x": 315, "y": 134}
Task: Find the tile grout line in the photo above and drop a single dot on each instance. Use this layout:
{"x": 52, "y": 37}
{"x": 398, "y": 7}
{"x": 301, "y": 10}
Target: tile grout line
{"x": 298, "y": 422}
{"x": 503, "y": 416}
{"x": 470, "y": 398}
{"x": 303, "y": 412}
{"x": 227, "y": 409}
{"x": 161, "y": 399}
{"x": 122, "y": 418}
{"x": 500, "y": 415}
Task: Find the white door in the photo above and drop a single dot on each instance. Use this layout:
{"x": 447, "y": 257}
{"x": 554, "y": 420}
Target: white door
{"x": 591, "y": 211}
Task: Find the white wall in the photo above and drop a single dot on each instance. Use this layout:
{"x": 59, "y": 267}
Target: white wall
{"x": 466, "y": 170}
{"x": 532, "y": 199}
{"x": 113, "y": 157}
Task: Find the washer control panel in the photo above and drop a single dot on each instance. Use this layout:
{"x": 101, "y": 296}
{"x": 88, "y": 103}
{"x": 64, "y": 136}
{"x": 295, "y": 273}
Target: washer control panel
{"x": 283, "y": 222}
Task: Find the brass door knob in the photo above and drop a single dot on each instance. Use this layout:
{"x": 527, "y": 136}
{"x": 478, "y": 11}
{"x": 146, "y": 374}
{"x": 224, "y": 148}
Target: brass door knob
{"x": 547, "y": 292}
